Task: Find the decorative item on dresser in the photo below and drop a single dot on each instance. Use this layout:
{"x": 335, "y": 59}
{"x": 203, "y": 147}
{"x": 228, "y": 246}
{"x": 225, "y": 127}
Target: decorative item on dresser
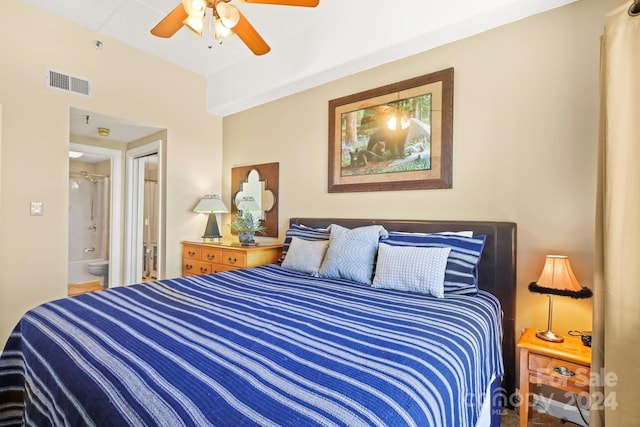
{"x": 246, "y": 223}
{"x": 206, "y": 258}
{"x": 211, "y": 204}
{"x": 557, "y": 278}
{"x": 564, "y": 366}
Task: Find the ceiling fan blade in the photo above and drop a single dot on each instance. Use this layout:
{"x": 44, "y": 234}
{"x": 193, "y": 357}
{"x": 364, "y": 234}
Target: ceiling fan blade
{"x": 304, "y": 3}
{"x": 250, "y": 36}
{"x": 171, "y": 23}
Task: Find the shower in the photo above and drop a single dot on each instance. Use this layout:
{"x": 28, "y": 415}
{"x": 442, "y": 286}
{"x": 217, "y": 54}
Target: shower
{"x": 88, "y": 225}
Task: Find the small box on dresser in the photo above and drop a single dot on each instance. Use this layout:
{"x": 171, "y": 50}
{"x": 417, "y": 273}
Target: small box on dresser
{"x": 206, "y": 258}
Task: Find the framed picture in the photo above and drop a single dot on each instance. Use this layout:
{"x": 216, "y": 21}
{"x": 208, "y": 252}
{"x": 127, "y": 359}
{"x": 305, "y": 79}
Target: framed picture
{"x": 395, "y": 137}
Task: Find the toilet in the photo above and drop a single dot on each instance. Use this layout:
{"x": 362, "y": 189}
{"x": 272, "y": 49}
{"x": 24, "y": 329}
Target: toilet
{"x": 100, "y": 268}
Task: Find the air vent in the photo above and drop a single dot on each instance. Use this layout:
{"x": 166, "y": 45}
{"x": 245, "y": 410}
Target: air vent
{"x": 67, "y": 82}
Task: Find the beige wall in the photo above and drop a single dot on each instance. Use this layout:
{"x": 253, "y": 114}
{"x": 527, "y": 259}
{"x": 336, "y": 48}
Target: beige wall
{"x": 524, "y": 150}
{"x": 35, "y": 135}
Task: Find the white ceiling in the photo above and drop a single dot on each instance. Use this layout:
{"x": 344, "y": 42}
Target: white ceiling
{"x": 86, "y": 123}
{"x": 309, "y": 46}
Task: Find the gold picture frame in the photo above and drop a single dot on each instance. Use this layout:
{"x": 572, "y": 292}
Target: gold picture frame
{"x": 394, "y": 137}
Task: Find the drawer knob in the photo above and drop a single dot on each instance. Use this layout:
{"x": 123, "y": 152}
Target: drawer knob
{"x": 191, "y": 253}
{"x": 563, "y": 371}
{"x": 233, "y": 260}
{"x": 211, "y": 257}
{"x": 188, "y": 267}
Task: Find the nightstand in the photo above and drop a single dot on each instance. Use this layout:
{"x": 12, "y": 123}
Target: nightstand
{"x": 206, "y": 258}
{"x": 565, "y": 366}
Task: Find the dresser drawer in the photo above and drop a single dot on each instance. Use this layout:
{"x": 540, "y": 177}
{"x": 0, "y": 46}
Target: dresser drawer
{"x": 234, "y": 259}
{"x": 191, "y": 252}
{"x": 193, "y": 266}
{"x": 212, "y": 255}
{"x": 558, "y": 372}
{"x": 219, "y": 268}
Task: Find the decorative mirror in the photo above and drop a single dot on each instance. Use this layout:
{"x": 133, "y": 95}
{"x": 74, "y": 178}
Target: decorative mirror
{"x": 259, "y": 184}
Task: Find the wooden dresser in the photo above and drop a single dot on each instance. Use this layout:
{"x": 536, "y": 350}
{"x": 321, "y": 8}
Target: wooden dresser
{"x": 206, "y": 258}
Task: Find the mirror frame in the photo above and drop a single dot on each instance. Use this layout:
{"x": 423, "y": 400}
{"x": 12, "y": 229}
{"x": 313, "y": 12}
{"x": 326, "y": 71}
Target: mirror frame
{"x": 267, "y": 173}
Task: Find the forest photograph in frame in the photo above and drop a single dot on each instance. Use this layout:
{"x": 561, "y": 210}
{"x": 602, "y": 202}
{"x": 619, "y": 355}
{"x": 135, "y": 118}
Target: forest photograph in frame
{"x": 395, "y": 137}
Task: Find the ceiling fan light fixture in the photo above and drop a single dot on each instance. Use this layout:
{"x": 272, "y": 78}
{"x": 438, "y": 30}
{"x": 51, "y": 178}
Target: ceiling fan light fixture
{"x": 221, "y": 31}
{"x": 229, "y": 15}
{"x": 194, "y": 24}
{"x": 194, "y": 8}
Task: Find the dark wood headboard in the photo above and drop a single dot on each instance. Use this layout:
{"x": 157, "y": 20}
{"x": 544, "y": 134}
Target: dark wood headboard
{"x": 496, "y": 271}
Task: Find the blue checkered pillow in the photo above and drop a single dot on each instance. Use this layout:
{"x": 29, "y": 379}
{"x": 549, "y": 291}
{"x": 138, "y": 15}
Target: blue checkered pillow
{"x": 305, "y": 233}
{"x": 351, "y": 253}
{"x": 411, "y": 269}
{"x": 461, "y": 273}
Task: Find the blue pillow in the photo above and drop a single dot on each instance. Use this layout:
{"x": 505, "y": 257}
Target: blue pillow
{"x": 305, "y": 233}
{"x": 461, "y": 273}
{"x": 351, "y": 253}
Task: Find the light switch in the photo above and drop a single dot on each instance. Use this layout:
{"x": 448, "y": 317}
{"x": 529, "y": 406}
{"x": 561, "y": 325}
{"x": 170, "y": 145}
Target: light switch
{"x": 36, "y": 208}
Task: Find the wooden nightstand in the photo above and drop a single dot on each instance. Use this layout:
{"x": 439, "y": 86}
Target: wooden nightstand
{"x": 206, "y": 258}
{"x": 565, "y": 366}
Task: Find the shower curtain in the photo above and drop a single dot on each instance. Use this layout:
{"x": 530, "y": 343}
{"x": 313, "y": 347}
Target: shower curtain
{"x": 615, "y": 397}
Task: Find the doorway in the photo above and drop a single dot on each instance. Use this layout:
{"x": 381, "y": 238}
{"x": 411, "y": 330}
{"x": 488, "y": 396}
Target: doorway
{"x": 108, "y": 140}
{"x": 144, "y": 237}
{"x": 94, "y": 206}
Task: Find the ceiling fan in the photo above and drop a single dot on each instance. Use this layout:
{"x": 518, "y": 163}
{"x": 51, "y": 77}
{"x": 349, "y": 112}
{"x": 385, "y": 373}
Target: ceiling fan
{"x": 218, "y": 19}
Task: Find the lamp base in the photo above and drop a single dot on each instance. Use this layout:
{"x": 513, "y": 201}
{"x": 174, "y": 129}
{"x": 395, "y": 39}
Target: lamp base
{"x": 549, "y": 336}
{"x": 211, "y": 231}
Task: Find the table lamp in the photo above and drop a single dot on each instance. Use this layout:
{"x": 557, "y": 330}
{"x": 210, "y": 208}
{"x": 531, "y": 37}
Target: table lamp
{"x": 557, "y": 278}
{"x": 211, "y": 204}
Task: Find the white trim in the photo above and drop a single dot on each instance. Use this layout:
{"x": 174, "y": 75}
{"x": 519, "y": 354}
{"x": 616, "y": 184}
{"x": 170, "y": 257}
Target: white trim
{"x": 132, "y": 247}
{"x": 115, "y": 156}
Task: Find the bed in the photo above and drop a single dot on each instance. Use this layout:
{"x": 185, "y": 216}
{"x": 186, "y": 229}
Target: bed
{"x": 271, "y": 346}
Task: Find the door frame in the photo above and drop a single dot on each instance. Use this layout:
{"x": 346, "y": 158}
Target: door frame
{"x": 115, "y": 206}
{"x": 133, "y": 226}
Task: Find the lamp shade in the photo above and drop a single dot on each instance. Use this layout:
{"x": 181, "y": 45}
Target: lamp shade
{"x": 557, "y": 278}
{"x": 248, "y": 204}
{"x": 210, "y": 203}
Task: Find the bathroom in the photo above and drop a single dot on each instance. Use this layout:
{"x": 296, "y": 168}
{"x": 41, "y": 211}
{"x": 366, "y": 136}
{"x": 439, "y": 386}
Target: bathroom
{"x": 89, "y": 203}
{"x": 89, "y": 222}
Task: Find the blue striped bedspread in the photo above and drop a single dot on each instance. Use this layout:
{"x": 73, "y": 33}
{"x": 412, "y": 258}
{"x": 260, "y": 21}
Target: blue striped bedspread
{"x": 262, "y": 346}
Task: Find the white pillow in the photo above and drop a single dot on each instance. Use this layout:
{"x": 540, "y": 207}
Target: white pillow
{"x": 352, "y": 252}
{"x": 305, "y": 255}
{"x": 411, "y": 269}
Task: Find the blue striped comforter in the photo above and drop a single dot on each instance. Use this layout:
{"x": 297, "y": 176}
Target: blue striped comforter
{"x": 262, "y": 346}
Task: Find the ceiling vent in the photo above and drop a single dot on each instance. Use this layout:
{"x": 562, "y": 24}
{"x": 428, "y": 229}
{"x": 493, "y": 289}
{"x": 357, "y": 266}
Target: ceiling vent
{"x": 67, "y": 82}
